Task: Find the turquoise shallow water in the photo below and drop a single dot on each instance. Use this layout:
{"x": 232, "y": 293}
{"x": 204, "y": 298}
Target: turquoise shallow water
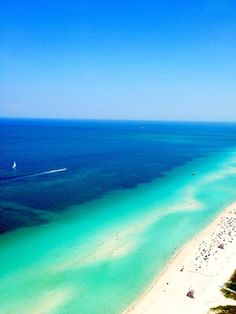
{"x": 98, "y": 257}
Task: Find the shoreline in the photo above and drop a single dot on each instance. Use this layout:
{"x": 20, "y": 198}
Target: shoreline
{"x": 202, "y": 265}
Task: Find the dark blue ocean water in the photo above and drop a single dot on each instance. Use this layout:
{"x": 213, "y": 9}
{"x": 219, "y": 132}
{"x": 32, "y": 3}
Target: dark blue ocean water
{"x": 100, "y": 156}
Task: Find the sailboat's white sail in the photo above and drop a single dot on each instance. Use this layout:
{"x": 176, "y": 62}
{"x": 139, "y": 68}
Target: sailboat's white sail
{"x": 14, "y": 165}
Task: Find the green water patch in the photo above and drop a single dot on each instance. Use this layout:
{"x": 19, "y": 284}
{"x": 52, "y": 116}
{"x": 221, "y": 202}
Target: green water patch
{"x": 99, "y": 257}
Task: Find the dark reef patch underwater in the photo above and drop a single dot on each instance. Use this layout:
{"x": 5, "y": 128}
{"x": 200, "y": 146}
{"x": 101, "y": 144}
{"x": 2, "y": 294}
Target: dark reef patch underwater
{"x": 100, "y": 157}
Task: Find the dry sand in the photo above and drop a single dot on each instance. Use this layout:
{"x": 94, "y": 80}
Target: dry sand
{"x": 203, "y": 265}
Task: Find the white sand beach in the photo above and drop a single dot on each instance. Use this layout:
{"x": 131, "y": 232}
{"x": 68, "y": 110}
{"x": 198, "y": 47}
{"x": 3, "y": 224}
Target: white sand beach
{"x": 203, "y": 265}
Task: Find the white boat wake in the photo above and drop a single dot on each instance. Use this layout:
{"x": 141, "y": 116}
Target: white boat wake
{"x": 33, "y": 174}
{"x": 48, "y": 172}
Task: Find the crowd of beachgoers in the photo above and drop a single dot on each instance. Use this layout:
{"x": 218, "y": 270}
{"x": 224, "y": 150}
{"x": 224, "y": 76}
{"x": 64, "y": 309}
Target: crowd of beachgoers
{"x": 223, "y": 236}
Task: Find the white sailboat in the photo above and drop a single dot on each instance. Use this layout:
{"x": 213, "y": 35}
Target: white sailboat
{"x": 14, "y": 165}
